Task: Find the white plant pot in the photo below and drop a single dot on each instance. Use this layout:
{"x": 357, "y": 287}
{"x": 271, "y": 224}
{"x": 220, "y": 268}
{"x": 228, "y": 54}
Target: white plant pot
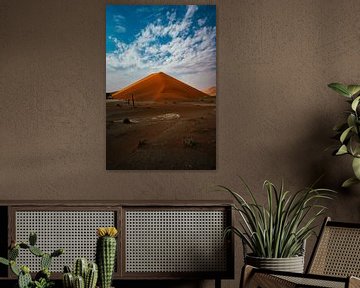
{"x": 291, "y": 264}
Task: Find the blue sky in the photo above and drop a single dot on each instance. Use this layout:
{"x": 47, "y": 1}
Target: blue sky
{"x": 178, "y": 40}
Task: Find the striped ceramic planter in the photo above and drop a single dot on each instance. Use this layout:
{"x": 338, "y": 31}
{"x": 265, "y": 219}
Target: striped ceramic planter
{"x": 291, "y": 264}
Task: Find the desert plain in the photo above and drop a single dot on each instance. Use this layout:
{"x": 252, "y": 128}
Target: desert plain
{"x": 160, "y": 123}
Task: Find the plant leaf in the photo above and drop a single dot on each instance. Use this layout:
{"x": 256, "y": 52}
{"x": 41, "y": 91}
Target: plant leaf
{"x": 356, "y": 167}
{"x": 340, "y": 88}
{"x": 342, "y": 150}
{"x": 355, "y": 103}
{"x": 345, "y": 134}
{"x": 349, "y": 182}
{"x": 353, "y": 89}
{"x": 351, "y": 120}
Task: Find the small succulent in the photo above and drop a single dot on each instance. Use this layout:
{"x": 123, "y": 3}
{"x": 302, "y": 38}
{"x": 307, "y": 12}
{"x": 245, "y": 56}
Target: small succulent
{"x": 84, "y": 275}
{"x": 42, "y": 283}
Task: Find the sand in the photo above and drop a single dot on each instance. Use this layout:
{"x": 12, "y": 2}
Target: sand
{"x": 159, "y": 87}
{"x": 169, "y": 126}
{"x": 161, "y": 135}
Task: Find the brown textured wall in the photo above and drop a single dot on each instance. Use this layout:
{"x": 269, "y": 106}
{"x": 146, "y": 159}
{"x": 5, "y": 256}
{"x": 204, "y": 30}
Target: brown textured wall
{"x": 275, "y": 113}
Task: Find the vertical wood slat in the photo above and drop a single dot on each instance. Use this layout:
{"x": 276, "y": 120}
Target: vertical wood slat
{"x": 3, "y": 239}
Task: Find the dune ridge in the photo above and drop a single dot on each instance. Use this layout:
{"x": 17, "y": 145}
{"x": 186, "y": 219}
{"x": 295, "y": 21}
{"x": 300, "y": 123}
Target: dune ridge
{"x": 159, "y": 87}
{"x": 210, "y": 91}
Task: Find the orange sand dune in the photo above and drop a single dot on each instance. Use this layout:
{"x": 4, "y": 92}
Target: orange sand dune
{"x": 211, "y": 91}
{"x": 159, "y": 87}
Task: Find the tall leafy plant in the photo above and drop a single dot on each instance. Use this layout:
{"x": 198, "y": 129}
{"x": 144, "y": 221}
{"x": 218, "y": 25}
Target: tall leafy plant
{"x": 348, "y": 132}
{"x": 279, "y": 229}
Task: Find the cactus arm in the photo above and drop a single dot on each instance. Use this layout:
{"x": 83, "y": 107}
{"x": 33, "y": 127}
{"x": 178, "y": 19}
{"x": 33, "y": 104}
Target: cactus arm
{"x": 36, "y": 251}
{"x": 57, "y": 253}
{"x": 68, "y": 280}
{"x": 13, "y": 253}
{"x": 32, "y": 239}
{"x": 14, "y": 268}
{"x": 67, "y": 269}
{"x": 79, "y": 282}
{"x": 91, "y": 276}
{"x": 24, "y": 280}
{"x": 24, "y": 245}
{"x": 4, "y": 261}
{"x": 45, "y": 261}
{"x": 80, "y": 267}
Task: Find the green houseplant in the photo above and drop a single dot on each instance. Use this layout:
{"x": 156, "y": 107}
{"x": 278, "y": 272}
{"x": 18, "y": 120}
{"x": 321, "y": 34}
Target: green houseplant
{"x": 348, "y": 132}
{"x": 275, "y": 233}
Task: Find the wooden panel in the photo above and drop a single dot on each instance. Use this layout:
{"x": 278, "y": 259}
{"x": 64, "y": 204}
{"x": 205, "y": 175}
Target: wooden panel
{"x": 177, "y": 233}
{"x": 120, "y": 208}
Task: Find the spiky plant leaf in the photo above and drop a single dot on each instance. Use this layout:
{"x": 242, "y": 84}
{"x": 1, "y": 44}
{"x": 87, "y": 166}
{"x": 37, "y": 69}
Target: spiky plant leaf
{"x": 280, "y": 228}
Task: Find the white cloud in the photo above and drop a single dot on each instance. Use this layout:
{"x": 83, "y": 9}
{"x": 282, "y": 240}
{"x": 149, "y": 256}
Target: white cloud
{"x": 171, "y": 47}
{"x": 120, "y": 29}
{"x": 202, "y": 21}
{"x": 119, "y": 18}
{"x": 191, "y": 11}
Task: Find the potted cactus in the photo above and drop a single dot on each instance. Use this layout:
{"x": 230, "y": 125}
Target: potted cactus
{"x": 42, "y": 278}
{"x": 85, "y": 275}
{"x": 106, "y": 254}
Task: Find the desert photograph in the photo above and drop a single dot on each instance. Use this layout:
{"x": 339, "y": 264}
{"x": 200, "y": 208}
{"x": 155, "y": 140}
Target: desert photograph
{"x": 161, "y": 87}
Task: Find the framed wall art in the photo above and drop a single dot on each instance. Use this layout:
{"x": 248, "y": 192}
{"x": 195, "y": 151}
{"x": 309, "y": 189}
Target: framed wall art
{"x": 161, "y": 87}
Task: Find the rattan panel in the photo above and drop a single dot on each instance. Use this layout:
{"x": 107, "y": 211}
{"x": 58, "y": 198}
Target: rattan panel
{"x": 338, "y": 253}
{"x": 75, "y": 231}
{"x": 175, "y": 241}
{"x": 313, "y": 282}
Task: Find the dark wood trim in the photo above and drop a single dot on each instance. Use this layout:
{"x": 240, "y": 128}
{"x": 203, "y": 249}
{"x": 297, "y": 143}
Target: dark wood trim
{"x": 343, "y": 224}
{"x": 123, "y": 242}
{"x": 11, "y": 235}
{"x": 118, "y": 225}
{"x": 4, "y": 240}
{"x": 114, "y": 203}
{"x": 175, "y": 276}
{"x": 218, "y": 283}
